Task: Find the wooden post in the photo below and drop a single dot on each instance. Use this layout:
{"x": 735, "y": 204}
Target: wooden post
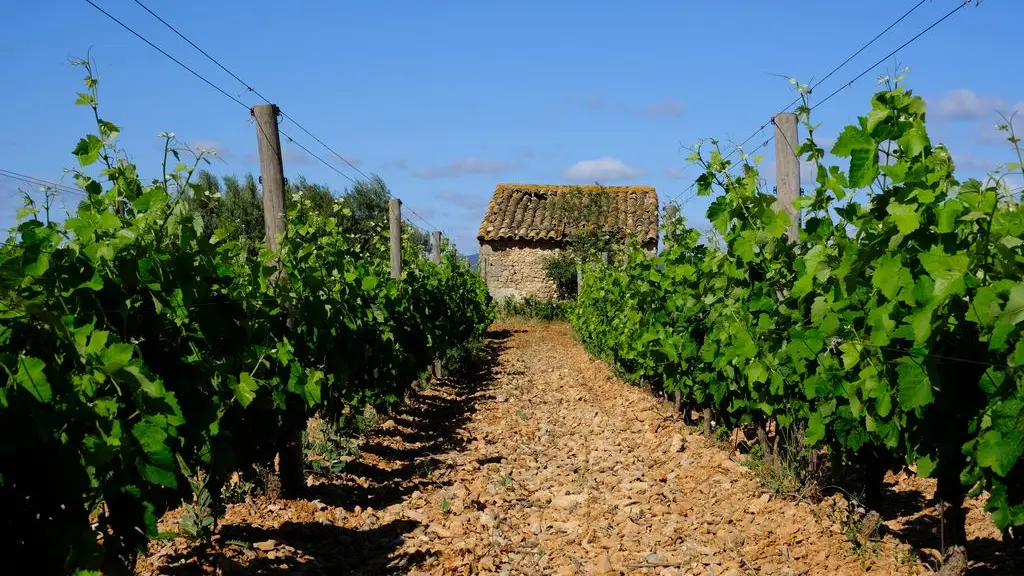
{"x": 671, "y": 213}
{"x": 435, "y": 252}
{"x": 604, "y": 258}
{"x": 290, "y": 465}
{"x": 395, "y": 223}
{"x": 787, "y": 169}
{"x": 435, "y": 257}
{"x": 268, "y": 142}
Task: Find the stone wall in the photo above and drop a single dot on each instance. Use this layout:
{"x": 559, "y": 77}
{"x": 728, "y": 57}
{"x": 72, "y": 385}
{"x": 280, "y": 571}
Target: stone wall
{"x": 516, "y": 269}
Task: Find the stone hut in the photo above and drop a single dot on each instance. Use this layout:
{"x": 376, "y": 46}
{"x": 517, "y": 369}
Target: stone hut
{"x": 525, "y": 224}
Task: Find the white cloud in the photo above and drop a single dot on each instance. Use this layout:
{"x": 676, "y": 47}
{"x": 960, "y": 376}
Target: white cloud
{"x": 825, "y": 142}
{"x": 526, "y": 152}
{"x": 964, "y": 104}
{"x": 463, "y": 200}
{"x": 295, "y": 156}
{"x": 668, "y": 108}
{"x": 462, "y": 167}
{"x": 348, "y": 160}
{"x": 422, "y": 211}
{"x": 970, "y": 163}
{"x": 396, "y": 165}
{"x": 673, "y": 172}
{"x": 602, "y": 169}
{"x": 218, "y": 149}
{"x": 991, "y": 134}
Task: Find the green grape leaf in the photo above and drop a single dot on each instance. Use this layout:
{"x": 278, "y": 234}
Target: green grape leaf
{"x": 915, "y": 389}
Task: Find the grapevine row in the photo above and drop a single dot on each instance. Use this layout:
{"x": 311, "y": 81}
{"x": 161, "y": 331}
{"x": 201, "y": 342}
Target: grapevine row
{"x": 889, "y": 334}
{"x": 140, "y": 348}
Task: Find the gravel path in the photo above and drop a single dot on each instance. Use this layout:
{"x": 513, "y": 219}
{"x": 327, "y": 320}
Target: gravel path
{"x": 543, "y": 465}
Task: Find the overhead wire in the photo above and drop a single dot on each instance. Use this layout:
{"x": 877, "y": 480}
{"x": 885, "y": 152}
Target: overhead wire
{"x": 248, "y": 87}
{"x": 760, "y": 129}
{"x": 846, "y": 85}
{"x": 283, "y": 113}
{"x": 40, "y": 182}
{"x": 172, "y": 58}
{"x": 858, "y": 52}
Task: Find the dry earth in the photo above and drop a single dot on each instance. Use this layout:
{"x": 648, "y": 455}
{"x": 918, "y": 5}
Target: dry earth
{"x": 545, "y": 464}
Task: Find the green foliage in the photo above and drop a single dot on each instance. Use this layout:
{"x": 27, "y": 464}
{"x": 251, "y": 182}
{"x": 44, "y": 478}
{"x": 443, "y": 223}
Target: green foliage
{"x": 892, "y": 326}
{"x": 561, "y": 268}
{"x": 587, "y": 213}
{"x": 138, "y": 342}
{"x": 326, "y": 448}
{"x": 237, "y": 206}
{"x": 591, "y": 228}
{"x": 198, "y": 520}
{"x": 529, "y": 307}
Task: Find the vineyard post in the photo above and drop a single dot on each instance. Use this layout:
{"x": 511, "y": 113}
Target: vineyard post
{"x": 395, "y": 224}
{"x": 787, "y": 169}
{"x": 271, "y": 172}
{"x": 435, "y": 257}
{"x": 290, "y": 462}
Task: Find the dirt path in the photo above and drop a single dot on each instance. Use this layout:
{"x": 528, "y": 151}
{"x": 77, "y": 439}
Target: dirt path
{"x": 544, "y": 464}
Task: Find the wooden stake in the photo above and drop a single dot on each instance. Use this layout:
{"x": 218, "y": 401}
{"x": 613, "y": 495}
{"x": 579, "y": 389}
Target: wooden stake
{"x": 268, "y": 142}
{"x": 290, "y": 465}
{"x": 435, "y": 253}
{"x": 395, "y": 223}
{"x": 787, "y": 169}
{"x": 435, "y": 257}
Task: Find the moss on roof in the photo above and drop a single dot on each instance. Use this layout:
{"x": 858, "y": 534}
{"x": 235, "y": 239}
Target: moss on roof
{"x": 534, "y": 211}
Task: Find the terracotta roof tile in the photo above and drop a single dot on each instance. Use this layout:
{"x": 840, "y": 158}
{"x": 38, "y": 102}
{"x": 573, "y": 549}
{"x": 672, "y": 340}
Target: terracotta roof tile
{"x": 529, "y": 212}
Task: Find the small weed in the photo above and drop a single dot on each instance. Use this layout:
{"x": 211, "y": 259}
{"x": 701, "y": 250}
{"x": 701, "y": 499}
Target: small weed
{"x": 532, "y": 309}
{"x": 464, "y": 359}
{"x": 860, "y": 526}
{"x": 326, "y": 449}
{"x": 246, "y": 484}
{"x": 198, "y": 519}
{"x": 523, "y": 415}
{"x": 427, "y": 466}
{"x": 905, "y": 559}
{"x": 505, "y": 480}
{"x": 446, "y": 506}
{"x": 789, "y": 468}
{"x": 365, "y": 420}
{"x": 238, "y": 490}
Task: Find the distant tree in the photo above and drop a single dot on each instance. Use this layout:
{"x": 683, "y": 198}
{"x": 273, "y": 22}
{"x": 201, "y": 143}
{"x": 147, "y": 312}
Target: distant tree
{"x": 368, "y": 200}
{"x": 241, "y": 206}
{"x": 321, "y": 195}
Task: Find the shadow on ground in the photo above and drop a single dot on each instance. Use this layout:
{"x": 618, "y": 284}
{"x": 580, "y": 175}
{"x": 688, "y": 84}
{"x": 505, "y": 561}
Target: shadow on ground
{"x": 922, "y": 530}
{"x": 394, "y": 462}
{"x": 331, "y": 550}
{"x": 404, "y": 456}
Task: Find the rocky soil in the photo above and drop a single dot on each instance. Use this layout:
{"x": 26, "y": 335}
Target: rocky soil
{"x": 545, "y": 464}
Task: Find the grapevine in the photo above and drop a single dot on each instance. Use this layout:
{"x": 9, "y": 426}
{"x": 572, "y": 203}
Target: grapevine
{"x": 889, "y": 334}
{"x": 135, "y": 339}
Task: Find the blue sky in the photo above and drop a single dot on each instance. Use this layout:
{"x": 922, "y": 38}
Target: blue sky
{"x": 446, "y": 99}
